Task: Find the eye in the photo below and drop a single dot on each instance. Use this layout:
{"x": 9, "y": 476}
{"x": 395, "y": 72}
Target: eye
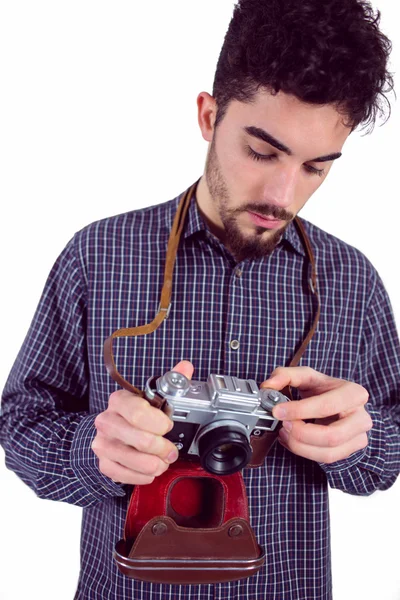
{"x": 268, "y": 157}
{"x": 257, "y": 157}
{"x": 314, "y": 170}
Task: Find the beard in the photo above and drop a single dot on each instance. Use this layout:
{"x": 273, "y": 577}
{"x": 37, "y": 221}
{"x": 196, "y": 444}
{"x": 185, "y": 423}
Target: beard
{"x": 242, "y": 247}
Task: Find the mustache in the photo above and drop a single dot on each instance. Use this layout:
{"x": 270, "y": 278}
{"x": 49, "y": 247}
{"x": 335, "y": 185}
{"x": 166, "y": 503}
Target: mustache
{"x": 267, "y": 210}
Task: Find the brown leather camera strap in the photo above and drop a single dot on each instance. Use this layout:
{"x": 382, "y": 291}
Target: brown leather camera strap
{"x": 165, "y": 300}
{"x": 164, "y": 306}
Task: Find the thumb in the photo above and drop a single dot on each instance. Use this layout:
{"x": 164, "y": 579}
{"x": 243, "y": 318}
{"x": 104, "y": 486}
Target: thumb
{"x": 184, "y": 367}
{"x": 306, "y": 379}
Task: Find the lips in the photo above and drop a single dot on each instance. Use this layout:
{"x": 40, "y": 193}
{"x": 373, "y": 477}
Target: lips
{"x": 267, "y": 222}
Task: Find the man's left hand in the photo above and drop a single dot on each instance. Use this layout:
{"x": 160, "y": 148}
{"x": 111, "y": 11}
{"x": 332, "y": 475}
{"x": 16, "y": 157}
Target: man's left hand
{"x": 338, "y": 407}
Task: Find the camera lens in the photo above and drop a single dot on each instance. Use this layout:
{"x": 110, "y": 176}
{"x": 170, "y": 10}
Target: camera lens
{"x": 224, "y": 450}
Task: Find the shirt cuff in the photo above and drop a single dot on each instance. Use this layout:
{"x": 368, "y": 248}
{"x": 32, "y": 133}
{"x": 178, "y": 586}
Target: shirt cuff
{"x": 372, "y": 457}
{"x": 85, "y": 463}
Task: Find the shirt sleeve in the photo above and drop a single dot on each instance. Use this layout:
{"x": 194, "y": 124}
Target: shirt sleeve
{"x": 378, "y": 370}
{"x": 46, "y": 428}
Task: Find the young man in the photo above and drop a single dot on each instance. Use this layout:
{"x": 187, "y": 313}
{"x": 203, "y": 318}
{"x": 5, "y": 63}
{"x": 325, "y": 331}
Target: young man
{"x": 286, "y": 97}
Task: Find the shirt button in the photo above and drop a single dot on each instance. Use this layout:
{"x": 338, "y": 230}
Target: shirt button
{"x": 238, "y": 272}
{"x": 235, "y": 344}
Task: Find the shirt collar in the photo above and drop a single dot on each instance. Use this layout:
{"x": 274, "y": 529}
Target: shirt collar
{"x": 195, "y": 224}
{"x": 194, "y": 220}
{"x": 291, "y": 236}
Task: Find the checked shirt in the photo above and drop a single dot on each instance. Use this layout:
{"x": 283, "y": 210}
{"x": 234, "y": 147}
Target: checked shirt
{"x": 241, "y": 319}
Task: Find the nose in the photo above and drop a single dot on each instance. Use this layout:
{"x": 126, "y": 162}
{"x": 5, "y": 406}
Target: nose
{"x": 280, "y": 186}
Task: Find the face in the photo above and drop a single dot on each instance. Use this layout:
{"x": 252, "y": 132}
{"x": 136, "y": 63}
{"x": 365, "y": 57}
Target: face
{"x": 265, "y": 160}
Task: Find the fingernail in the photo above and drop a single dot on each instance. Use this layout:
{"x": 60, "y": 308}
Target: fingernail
{"x": 287, "y": 425}
{"x": 172, "y": 456}
{"x": 279, "y": 412}
{"x": 283, "y": 434}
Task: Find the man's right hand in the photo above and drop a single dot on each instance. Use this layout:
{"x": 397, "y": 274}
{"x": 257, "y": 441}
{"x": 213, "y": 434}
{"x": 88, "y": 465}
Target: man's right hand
{"x": 129, "y": 442}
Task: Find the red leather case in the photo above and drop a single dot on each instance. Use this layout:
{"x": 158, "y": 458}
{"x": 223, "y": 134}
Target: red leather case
{"x": 189, "y": 526}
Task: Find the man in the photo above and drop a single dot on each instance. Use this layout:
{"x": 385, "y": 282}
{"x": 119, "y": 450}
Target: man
{"x": 285, "y": 99}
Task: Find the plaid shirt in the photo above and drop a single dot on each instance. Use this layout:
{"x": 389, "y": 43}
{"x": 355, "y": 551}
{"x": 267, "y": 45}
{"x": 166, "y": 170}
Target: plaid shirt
{"x": 110, "y": 276}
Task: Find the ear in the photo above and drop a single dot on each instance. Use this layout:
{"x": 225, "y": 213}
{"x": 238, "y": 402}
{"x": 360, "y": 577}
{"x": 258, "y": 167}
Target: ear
{"x": 207, "y": 112}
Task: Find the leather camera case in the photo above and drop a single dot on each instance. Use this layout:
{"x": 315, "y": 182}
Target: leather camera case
{"x": 189, "y": 527}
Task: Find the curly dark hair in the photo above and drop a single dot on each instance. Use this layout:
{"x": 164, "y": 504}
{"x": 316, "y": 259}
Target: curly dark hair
{"x": 321, "y": 51}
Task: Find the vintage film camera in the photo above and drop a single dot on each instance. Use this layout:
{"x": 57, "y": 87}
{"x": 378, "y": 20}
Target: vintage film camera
{"x": 215, "y": 422}
{"x": 191, "y": 524}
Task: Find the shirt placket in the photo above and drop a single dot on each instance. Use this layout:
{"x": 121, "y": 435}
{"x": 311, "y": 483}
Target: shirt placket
{"x": 234, "y": 342}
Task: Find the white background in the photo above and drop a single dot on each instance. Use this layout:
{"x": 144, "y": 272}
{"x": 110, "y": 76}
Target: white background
{"x": 98, "y": 116}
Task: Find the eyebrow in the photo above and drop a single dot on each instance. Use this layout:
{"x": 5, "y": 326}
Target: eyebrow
{"x": 263, "y": 135}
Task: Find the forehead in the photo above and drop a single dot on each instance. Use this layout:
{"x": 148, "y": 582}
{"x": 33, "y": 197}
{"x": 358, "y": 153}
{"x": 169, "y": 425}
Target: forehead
{"x": 304, "y": 128}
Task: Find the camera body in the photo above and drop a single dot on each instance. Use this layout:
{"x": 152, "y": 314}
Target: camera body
{"x": 215, "y": 421}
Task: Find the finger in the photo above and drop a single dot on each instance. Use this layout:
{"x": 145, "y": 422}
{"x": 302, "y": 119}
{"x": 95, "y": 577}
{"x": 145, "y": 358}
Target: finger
{"x": 126, "y": 456}
{"x": 303, "y": 378}
{"x": 323, "y": 455}
{"x": 139, "y": 413}
{"x": 121, "y": 474}
{"x": 184, "y": 367}
{"x": 336, "y": 434}
{"x": 345, "y": 399}
{"x": 114, "y": 427}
